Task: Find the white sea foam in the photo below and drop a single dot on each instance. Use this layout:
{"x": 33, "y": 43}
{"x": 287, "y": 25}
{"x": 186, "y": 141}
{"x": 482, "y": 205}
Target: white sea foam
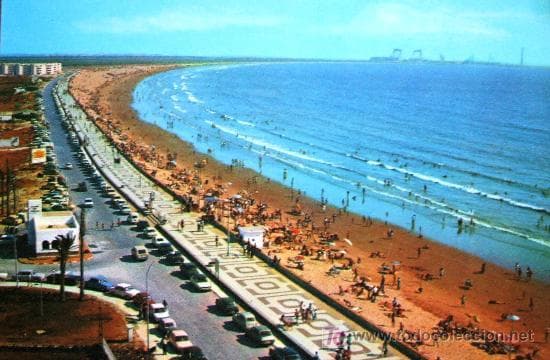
{"x": 178, "y": 108}
{"x": 164, "y": 91}
{"x": 267, "y": 145}
{"x": 468, "y": 189}
{"x": 174, "y": 98}
{"x": 192, "y": 97}
{"x": 245, "y": 123}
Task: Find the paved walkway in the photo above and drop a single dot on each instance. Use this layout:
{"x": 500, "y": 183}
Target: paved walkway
{"x": 262, "y": 288}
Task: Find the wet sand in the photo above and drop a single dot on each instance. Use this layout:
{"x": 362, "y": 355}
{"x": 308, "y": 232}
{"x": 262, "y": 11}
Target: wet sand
{"x": 107, "y": 94}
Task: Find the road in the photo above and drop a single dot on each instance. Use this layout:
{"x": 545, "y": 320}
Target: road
{"x": 111, "y": 249}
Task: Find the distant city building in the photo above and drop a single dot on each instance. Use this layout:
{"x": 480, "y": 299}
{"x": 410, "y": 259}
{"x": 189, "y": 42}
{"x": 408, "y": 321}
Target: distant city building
{"x": 39, "y": 69}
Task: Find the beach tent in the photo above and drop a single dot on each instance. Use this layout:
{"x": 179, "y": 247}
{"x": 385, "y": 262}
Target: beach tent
{"x": 254, "y": 235}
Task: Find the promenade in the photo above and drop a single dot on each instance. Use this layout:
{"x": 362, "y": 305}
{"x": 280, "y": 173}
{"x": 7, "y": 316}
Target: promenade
{"x": 268, "y": 293}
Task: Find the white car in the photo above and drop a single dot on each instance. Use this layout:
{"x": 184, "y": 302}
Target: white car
{"x": 124, "y": 290}
{"x": 200, "y": 282}
{"x": 157, "y": 312}
{"x": 88, "y": 202}
{"x": 68, "y": 166}
{"x": 160, "y": 242}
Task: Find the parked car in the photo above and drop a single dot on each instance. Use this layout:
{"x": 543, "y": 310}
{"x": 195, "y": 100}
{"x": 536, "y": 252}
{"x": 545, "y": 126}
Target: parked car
{"x": 125, "y": 210}
{"x": 119, "y": 203}
{"x": 150, "y": 233}
{"x": 284, "y": 353}
{"x": 192, "y": 353}
{"x": 261, "y": 334}
{"x": 160, "y": 242}
{"x": 30, "y": 275}
{"x": 174, "y": 258}
{"x": 140, "y": 253}
{"x": 71, "y": 278}
{"x": 189, "y": 269}
{"x": 132, "y": 218}
{"x": 200, "y": 282}
{"x": 244, "y": 320}
{"x": 142, "y": 225}
{"x": 98, "y": 283}
{"x": 166, "y": 325}
{"x": 158, "y": 311}
{"x": 88, "y": 202}
{"x": 124, "y": 290}
{"x": 226, "y": 306}
{"x": 179, "y": 340}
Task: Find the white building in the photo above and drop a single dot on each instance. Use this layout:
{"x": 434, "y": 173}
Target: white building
{"x": 254, "y": 235}
{"x": 44, "y": 227}
{"x": 41, "y": 69}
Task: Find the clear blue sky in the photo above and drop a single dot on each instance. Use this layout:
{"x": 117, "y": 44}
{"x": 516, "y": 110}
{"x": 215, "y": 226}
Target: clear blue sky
{"x": 334, "y": 29}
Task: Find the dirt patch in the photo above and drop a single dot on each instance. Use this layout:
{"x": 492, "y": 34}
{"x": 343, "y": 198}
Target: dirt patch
{"x": 64, "y": 324}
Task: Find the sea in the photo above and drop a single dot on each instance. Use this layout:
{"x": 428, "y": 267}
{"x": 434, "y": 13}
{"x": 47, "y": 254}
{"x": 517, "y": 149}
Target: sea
{"x": 456, "y": 153}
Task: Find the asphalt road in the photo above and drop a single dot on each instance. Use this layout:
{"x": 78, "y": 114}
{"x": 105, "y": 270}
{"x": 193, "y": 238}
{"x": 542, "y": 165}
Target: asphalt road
{"x": 111, "y": 249}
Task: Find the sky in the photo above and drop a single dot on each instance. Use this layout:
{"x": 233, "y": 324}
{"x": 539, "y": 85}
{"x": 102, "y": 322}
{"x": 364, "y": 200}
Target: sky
{"x": 494, "y": 30}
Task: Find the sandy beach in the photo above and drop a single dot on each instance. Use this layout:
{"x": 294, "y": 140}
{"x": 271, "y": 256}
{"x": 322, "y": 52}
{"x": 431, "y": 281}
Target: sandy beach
{"x": 427, "y": 294}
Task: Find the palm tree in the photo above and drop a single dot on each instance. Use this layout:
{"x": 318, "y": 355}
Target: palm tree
{"x": 63, "y": 244}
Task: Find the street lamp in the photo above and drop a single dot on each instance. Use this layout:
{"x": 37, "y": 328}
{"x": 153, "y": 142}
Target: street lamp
{"x": 147, "y": 305}
{"x": 15, "y": 257}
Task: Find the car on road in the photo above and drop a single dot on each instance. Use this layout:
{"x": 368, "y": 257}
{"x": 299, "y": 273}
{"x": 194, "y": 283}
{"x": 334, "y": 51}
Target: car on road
{"x": 132, "y": 218}
{"x": 189, "y": 269}
{"x": 98, "y": 283}
{"x": 174, "y": 258}
{"x": 125, "y": 210}
{"x": 124, "y": 291}
{"x": 88, "y": 202}
{"x": 244, "y": 320}
{"x": 30, "y": 275}
{"x": 261, "y": 334}
{"x": 179, "y": 340}
{"x": 160, "y": 242}
{"x": 200, "y": 282}
{"x": 68, "y": 166}
{"x": 142, "y": 225}
{"x": 71, "y": 278}
{"x": 140, "y": 253}
{"x": 158, "y": 311}
{"x": 192, "y": 353}
{"x": 150, "y": 233}
{"x": 119, "y": 203}
{"x": 226, "y": 306}
{"x": 284, "y": 353}
{"x": 166, "y": 325}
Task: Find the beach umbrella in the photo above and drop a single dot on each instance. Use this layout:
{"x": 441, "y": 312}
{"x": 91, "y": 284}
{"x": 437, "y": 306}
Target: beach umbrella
{"x": 348, "y": 241}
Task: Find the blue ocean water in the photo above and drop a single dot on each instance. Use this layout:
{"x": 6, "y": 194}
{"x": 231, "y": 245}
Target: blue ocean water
{"x": 419, "y": 145}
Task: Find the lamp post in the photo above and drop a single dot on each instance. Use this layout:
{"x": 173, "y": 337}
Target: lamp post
{"x": 147, "y": 305}
{"x": 15, "y": 258}
{"x": 228, "y": 234}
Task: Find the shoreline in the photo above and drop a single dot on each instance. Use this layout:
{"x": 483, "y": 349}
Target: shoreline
{"x": 439, "y": 298}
